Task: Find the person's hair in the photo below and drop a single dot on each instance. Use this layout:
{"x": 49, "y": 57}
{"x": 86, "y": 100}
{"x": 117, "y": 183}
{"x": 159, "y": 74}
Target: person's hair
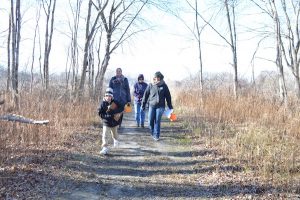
{"x": 119, "y": 68}
{"x": 141, "y": 76}
{"x": 159, "y": 75}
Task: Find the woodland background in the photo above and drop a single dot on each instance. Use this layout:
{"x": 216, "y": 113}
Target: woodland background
{"x": 253, "y": 121}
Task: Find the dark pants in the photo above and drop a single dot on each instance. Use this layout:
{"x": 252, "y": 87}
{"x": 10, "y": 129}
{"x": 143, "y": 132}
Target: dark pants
{"x": 121, "y": 119}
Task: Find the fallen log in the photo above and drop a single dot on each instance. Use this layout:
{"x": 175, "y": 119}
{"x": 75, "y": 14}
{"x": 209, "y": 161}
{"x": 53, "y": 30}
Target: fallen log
{"x": 21, "y": 119}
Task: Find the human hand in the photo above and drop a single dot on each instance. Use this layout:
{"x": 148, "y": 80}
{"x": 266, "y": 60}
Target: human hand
{"x": 117, "y": 116}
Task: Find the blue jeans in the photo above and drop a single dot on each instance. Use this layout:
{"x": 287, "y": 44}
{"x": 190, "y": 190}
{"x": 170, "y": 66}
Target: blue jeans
{"x": 139, "y": 113}
{"x": 155, "y": 115}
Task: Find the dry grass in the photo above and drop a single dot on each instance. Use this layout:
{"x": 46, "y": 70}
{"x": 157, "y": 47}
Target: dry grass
{"x": 253, "y": 131}
{"x": 65, "y": 118}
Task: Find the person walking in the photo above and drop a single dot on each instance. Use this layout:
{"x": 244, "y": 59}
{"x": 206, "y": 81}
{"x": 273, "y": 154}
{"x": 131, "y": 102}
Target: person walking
{"x": 138, "y": 92}
{"x": 158, "y": 94}
{"x": 110, "y": 112}
{"x": 120, "y": 86}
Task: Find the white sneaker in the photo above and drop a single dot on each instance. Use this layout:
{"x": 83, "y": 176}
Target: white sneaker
{"x": 104, "y": 151}
{"x": 116, "y": 143}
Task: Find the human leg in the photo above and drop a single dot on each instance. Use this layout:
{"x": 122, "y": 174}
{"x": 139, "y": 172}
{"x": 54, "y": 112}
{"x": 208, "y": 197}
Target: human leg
{"x": 158, "y": 115}
{"x": 121, "y": 119}
{"x": 115, "y": 135}
{"x": 142, "y": 118}
{"x": 151, "y": 119}
{"x": 137, "y": 108}
{"x": 105, "y": 131}
{"x": 104, "y": 145}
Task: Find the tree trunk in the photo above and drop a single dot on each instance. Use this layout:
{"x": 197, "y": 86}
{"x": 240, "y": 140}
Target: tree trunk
{"x": 16, "y": 36}
{"x": 72, "y": 73}
{"x": 8, "y": 84}
{"x": 232, "y": 31}
{"x": 88, "y": 36}
{"x": 282, "y": 86}
{"x": 298, "y": 86}
{"x": 33, "y": 49}
{"x": 48, "y": 39}
{"x": 199, "y": 50}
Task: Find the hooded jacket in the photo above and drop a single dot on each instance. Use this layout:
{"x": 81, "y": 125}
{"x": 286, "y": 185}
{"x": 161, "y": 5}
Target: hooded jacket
{"x": 139, "y": 90}
{"x": 157, "y": 95}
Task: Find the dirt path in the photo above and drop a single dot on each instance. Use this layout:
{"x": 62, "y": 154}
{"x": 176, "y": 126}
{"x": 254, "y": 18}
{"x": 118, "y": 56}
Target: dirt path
{"x": 170, "y": 168}
{"x": 140, "y": 168}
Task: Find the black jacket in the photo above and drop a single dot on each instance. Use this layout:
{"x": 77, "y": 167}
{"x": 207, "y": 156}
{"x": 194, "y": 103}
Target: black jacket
{"x": 121, "y": 89}
{"x": 157, "y": 94}
{"x": 108, "y": 117}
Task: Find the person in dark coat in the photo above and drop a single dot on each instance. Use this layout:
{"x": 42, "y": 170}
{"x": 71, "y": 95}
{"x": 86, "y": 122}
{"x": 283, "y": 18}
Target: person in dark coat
{"x": 110, "y": 112}
{"x": 120, "y": 86}
{"x": 157, "y": 94}
{"x": 138, "y": 93}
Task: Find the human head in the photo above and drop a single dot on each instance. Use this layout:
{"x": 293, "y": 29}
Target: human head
{"x": 119, "y": 72}
{"x": 158, "y": 76}
{"x": 141, "y": 78}
{"x": 109, "y": 94}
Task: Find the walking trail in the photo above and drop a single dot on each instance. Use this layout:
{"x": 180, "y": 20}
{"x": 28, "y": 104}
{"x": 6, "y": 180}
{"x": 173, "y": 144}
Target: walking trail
{"x": 175, "y": 167}
{"x": 170, "y": 168}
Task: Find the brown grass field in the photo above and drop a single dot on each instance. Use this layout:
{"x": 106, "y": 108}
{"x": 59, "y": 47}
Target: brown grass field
{"x": 252, "y": 131}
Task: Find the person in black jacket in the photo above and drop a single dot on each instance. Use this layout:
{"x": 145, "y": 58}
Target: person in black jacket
{"x": 110, "y": 112}
{"x": 119, "y": 83}
{"x": 157, "y": 94}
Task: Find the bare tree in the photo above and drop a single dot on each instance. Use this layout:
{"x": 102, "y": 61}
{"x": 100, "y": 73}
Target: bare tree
{"x": 290, "y": 38}
{"x": 197, "y": 35}
{"x": 119, "y": 18}
{"x": 98, "y": 50}
{"x": 270, "y": 9}
{"x": 91, "y": 70}
{"x": 116, "y": 18}
{"x": 279, "y": 64}
{"x": 230, "y": 6}
{"x": 89, "y": 33}
{"x": 8, "y": 84}
{"x": 230, "y": 13}
{"x": 15, "y": 43}
{"x": 72, "y": 72}
{"x": 49, "y": 9}
{"x": 34, "y": 44}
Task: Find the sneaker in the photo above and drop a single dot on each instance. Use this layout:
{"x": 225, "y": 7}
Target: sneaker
{"x": 138, "y": 125}
{"x": 104, "y": 151}
{"x": 142, "y": 125}
{"x": 155, "y": 138}
{"x": 116, "y": 143}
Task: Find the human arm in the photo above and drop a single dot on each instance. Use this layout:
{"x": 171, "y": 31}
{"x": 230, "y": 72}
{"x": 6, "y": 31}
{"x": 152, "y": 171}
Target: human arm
{"x": 102, "y": 111}
{"x": 135, "y": 90}
{"x": 145, "y": 97}
{"x": 117, "y": 108}
{"x": 168, "y": 98}
{"x": 127, "y": 88}
{"x": 111, "y": 83}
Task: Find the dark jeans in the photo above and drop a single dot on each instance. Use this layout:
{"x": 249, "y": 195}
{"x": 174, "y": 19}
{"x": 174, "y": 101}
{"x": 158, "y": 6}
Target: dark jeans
{"x": 154, "y": 118}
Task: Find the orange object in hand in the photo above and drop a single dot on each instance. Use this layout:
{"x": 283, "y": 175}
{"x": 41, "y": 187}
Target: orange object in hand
{"x": 127, "y": 108}
{"x": 173, "y": 117}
